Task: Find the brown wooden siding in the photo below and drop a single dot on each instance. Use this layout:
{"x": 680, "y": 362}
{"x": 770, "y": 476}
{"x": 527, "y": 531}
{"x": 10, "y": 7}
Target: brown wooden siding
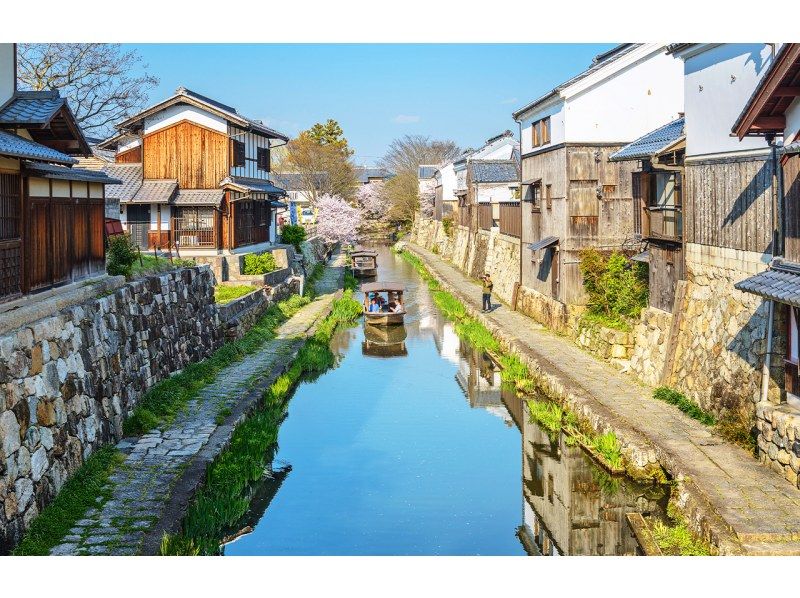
{"x": 10, "y": 235}
{"x": 511, "y": 218}
{"x": 666, "y": 269}
{"x": 132, "y": 155}
{"x": 485, "y": 219}
{"x": 197, "y": 157}
{"x": 791, "y": 186}
{"x": 728, "y": 203}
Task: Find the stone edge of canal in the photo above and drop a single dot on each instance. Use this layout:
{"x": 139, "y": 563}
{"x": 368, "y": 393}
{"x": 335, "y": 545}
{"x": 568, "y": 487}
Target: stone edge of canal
{"x": 701, "y": 518}
{"x": 194, "y": 476}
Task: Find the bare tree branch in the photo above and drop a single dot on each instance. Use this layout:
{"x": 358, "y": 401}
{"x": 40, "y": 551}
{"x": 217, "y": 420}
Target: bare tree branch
{"x": 103, "y": 84}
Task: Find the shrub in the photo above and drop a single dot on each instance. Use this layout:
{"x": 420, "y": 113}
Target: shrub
{"x": 617, "y": 287}
{"x": 294, "y": 234}
{"x": 259, "y": 263}
{"x": 673, "y": 397}
{"x": 122, "y": 254}
{"x": 227, "y": 293}
{"x": 447, "y": 225}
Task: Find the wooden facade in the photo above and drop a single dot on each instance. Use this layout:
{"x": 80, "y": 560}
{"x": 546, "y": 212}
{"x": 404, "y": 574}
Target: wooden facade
{"x": 574, "y": 193}
{"x": 791, "y": 202}
{"x": 195, "y": 156}
{"x": 51, "y": 232}
{"x": 131, "y": 156}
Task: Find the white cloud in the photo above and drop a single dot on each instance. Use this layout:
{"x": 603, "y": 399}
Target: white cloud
{"x": 406, "y": 118}
{"x": 509, "y": 101}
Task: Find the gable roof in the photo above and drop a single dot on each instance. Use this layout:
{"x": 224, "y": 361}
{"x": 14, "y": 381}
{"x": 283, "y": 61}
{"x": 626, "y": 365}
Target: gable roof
{"x": 48, "y": 117}
{"x": 130, "y": 177}
{"x": 652, "y": 143}
{"x": 494, "y": 171}
{"x": 776, "y": 90}
{"x": 192, "y": 98}
{"x": 14, "y": 146}
{"x": 598, "y": 62}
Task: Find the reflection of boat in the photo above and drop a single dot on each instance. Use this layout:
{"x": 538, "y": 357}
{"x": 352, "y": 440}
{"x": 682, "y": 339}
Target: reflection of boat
{"x": 364, "y": 262}
{"x": 384, "y": 341}
{"x": 394, "y": 298}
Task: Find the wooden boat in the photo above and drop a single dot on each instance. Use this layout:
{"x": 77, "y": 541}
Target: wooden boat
{"x": 364, "y": 262}
{"x": 384, "y": 341}
{"x": 394, "y": 294}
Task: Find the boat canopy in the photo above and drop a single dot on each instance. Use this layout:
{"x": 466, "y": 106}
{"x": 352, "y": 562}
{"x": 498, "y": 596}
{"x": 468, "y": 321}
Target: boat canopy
{"x": 378, "y": 287}
{"x": 360, "y": 252}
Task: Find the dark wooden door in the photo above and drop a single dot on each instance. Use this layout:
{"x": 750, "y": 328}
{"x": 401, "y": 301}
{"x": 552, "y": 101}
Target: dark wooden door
{"x": 10, "y": 235}
{"x": 37, "y": 262}
{"x": 138, "y": 217}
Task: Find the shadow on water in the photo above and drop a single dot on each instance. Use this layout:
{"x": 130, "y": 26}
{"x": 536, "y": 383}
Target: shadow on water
{"x": 412, "y": 446}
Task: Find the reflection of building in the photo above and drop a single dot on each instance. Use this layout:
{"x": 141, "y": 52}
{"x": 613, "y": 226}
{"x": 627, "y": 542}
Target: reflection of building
{"x": 479, "y": 378}
{"x": 444, "y": 336}
{"x": 570, "y": 505}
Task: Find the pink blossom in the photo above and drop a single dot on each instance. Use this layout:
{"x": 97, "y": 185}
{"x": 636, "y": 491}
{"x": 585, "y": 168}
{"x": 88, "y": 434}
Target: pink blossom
{"x": 337, "y": 221}
{"x": 371, "y": 199}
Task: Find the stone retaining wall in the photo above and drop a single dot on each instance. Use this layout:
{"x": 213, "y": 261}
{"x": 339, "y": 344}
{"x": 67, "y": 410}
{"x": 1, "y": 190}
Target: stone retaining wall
{"x": 779, "y": 439}
{"x": 650, "y": 343}
{"x": 610, "y": 344}
{"x": 68, "y": 380}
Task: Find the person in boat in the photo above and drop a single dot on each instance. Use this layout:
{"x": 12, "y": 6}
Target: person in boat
{"x": 373, "y": 306}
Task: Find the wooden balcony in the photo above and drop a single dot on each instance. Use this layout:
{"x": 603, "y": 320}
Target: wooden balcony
{"x": 662, "y": 223}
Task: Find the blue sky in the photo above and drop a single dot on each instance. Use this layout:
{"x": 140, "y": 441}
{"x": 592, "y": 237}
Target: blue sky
{"x": 464, "y": 92}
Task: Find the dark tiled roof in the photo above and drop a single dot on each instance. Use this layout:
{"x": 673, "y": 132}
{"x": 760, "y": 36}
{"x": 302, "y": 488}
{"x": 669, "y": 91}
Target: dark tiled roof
{"x": 543, "y": 243}
{"x": 293, "y": 181}
{"x": 598, "y": 62}
{"x": 792, "y": 148}
{"x": 51, "y": 171}
{"x": 652, "y": 143}
{"x": 364, "y": 174}
{"x": 254, "y": 185}
{"x": 31, "y": 107}
{"x": 426, "y": 171}
{"x": 130, "y": 177}
{"x": 156, "y": 191}
{"x": 198, "y": 197}
{"x": 495, "y": 171}
{"x": 183, "y": 95}
{"x": 778, "y": 284}
{"x": 18, "y": 147}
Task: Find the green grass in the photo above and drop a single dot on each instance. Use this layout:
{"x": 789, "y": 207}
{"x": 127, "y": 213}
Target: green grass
{"x": 226, "y": 293}
{"x": 312, "y": 279}
{"x": 77, "y": 495}
{"x": 225, "y": 497}
{"x": 152, "y": 264}
{"x": 165, "y": 400}
{"x": 675, "y": 538}
{"x": 673, "y": 397}
{"x": 549, "y": 416}
{"x": 606, "y": 321}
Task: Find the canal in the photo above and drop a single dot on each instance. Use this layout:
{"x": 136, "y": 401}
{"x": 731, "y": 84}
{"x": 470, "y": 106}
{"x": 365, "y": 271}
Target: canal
{"x": 412, "y": 447}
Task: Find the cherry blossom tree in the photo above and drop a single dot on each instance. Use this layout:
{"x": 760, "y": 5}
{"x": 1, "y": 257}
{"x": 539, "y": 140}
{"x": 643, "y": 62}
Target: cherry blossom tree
{"x": 337, "y": 221}
{"x": 372, "y": 201}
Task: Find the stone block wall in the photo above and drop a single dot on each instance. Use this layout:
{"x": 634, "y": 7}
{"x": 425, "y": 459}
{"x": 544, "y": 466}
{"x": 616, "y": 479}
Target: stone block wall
{"x": 238, "y": 316}
{"x": 779, "y": 439}
{"x": 650, "y": 345}
{"x": 606, "y": 343}
{"x": 722, "y": 336}
{"x": 68, "y": 380}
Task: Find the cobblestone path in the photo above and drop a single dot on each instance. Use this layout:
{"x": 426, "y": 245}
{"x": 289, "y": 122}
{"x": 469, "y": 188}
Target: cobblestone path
{"x": 141, "y": 486}
{"x": 757, "y": 505}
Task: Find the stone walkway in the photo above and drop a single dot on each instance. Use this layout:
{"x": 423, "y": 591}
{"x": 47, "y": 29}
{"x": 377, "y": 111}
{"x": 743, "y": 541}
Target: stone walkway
{"x": 757, "y": 505}
{"x": 141, "y": 486}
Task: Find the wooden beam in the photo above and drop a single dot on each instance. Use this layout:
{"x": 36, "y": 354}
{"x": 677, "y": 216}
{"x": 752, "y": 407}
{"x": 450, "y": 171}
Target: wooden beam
{"x": 769, "y": 123}
{"x": 787, "y": 92}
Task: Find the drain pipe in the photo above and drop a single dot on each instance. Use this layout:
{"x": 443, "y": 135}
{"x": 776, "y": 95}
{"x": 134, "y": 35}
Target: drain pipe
{"x": 777, "y": 242}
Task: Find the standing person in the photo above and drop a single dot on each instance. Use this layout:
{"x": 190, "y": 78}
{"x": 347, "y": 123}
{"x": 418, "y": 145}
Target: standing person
{"x": 487, "y": 292}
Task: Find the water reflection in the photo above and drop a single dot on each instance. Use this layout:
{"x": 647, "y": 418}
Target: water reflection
{"x": 387, "y": 457}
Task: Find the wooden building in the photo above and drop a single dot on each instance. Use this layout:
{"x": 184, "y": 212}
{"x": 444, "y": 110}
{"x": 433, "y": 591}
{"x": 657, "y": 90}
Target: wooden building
{"x": 52, "y": 215}
{"x": 573, "y": 197}
{"x": 772, "y": 112}
{"x": 196, "y": 177}
{"x": 656, "y": 187}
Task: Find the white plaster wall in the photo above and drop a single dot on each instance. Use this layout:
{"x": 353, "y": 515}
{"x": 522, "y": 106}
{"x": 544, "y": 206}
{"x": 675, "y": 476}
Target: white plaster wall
{"x": 448, "y": 174}
{"x": 7, "y": 73}
{"x": 714, "y": 100}
{"x": 494, "y": 193}
{"x": 635, "y": 100}
{"x": 174, "y": 114}
{"x": 129, "y": 144}
{"x": 792, "y": 129}
{"x": 251, "y": 145}
{"x": 502, "y": 149}
{"x": 555, "y": 109}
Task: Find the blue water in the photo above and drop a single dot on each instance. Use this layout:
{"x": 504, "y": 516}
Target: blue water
{"x": 388, "y": 458}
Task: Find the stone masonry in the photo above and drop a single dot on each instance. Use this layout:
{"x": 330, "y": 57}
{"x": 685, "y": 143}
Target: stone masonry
{"x": 67, "y": 381}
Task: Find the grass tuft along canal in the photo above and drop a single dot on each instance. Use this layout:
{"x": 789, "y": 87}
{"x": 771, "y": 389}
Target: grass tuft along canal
{"x": 411, "y": 447}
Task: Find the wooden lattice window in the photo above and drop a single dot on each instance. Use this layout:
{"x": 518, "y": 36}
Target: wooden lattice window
{"x": 10, "y": 208}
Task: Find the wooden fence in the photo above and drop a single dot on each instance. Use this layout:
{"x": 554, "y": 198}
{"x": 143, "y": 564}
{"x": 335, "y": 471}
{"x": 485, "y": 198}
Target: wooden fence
{"x": 485, "y": 219}
{"x": 511, "y": 218}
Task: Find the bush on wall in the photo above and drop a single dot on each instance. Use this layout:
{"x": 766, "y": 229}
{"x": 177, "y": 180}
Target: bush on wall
{"x": 617, "y": 287}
